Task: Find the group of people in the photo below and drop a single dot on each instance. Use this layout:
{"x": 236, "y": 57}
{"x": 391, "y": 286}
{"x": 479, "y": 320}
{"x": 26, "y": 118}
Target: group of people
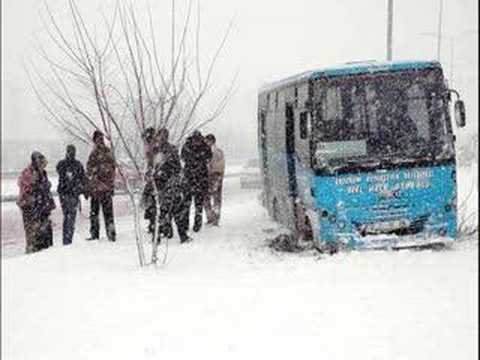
{"x": 170, "y": 188}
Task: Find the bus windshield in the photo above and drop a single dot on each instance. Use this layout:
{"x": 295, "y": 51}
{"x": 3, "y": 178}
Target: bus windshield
{"x": 400, "y": 117}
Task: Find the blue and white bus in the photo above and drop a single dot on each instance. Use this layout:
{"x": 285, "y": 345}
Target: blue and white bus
{"x": 362, "y": 155}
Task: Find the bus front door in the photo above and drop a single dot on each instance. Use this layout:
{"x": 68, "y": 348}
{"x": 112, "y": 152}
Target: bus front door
{"x": 290, "y": 150}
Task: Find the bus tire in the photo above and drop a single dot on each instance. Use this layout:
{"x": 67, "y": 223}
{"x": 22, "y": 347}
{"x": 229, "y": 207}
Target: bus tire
{"x": 328, "y": 248}
{"x": 313, "y": 226}
{"x": 303, "y": 224}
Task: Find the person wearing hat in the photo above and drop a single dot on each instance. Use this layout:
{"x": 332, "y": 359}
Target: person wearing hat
{"x": 101, "y": 169}
{"x": 170, "y": 191}
{"x": 71, "y": 183}
{"x": 36, "y": 203}
{"x": 195, "y": 155}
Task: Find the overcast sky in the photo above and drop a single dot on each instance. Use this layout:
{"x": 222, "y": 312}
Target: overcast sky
{"x": 271, "y": 39}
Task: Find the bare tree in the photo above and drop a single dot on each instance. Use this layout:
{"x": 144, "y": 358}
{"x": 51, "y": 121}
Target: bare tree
{"x": 118, "y": 77}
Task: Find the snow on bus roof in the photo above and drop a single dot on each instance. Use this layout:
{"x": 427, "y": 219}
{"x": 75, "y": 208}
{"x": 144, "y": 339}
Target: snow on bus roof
{"x": 353, "y": 68}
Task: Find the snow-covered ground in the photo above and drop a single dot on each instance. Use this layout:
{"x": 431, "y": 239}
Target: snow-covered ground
{"x": 226, "y": 295}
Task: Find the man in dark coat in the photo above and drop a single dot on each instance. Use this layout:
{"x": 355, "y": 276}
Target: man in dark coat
{"x": 71, "y": 183}
{"x": 101, "y": 168}
{"x": 180, "y": 211}
{"x": 166, "y": 176}
{"x": 148, "y": 196}
{"x": 196, "y": 154}
{"x": 36, "y": 202}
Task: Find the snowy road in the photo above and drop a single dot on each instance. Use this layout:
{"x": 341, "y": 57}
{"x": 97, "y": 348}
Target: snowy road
{"x": 227, "y": 296}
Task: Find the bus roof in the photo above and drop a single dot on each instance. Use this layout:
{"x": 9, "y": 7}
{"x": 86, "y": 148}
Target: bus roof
{"x": 353, "y": 68}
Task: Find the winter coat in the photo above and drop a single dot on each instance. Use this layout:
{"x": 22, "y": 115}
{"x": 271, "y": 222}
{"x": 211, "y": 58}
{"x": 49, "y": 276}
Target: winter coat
{"x": 166, "y": 167}
{"x": 151, "y": 150}
{"x": 72, "y": 180}
{"x": 217, "y": 164}
{"x": 180, "y": 191}
{"x": 35, "y": 198}
{"x": 196, "y": 154}
{"x": 100, "y": 171}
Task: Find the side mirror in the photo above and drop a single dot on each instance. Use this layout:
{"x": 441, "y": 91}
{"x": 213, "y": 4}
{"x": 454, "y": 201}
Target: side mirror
{"x": 459, "y": 110}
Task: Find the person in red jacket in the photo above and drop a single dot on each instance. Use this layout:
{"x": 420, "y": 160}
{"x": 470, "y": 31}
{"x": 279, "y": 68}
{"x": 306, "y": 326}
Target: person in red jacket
{"x": 36, "y": 203}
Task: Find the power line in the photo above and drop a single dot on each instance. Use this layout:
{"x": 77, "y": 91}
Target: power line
{"x": 389, "y": 29}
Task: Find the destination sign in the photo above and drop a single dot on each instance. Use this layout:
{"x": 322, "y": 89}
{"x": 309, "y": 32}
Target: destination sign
{"x": 388, "y": 182}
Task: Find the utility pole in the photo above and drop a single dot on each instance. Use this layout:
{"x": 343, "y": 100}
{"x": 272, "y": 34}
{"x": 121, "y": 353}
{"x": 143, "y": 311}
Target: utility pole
{"x": 439, "y": 31}
{"x": 452, "y": 52}
{"x": 389, "y": 29}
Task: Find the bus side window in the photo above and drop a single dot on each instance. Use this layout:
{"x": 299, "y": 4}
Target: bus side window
{"x": 373, "y": 109}
{"x": 304, "y": 125}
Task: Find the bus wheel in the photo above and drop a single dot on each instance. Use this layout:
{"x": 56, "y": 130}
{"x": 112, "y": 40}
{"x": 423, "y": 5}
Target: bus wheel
{"x": 303, "y": 223}
{"x": 327, "y": 248}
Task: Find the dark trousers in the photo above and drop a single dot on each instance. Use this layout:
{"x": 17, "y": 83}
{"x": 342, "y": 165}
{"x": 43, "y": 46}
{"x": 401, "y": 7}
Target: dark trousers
{"x": 197, "y": 196}
{"x": 149, "y": 200}
{"x": 180, "y": 215}
{"x": 173, "y": 207}
{"x": 105, "y": 201}
{"x": 69, "y": 205}
{"x": 165, "y": 215}
{"x": 215, "y": 194}
{"x": 151, "y": 213}
{"x": 46, "y": 233}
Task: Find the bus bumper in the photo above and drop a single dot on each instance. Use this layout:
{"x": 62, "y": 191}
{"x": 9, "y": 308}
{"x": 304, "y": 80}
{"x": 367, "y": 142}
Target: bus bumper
{"x": 393, "y": 242}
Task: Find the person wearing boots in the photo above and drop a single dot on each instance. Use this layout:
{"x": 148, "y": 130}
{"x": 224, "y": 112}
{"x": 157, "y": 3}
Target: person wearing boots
{"x": 71, "y": 183}
{"x": 195, "y": 155}
{"x": 101, "y": 168}
{"x": 165, "y": 174}
{"x": 36, "y": 203}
